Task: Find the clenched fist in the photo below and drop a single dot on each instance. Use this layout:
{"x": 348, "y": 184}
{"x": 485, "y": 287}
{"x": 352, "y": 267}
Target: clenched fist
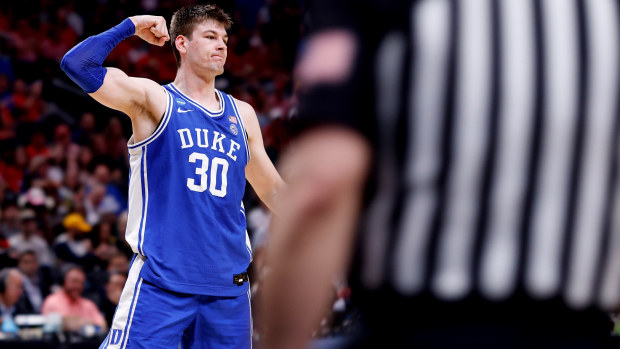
{"x": 151, "y": 29}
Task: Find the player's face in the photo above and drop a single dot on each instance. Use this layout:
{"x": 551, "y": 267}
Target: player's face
{"x": 207, "y": 47}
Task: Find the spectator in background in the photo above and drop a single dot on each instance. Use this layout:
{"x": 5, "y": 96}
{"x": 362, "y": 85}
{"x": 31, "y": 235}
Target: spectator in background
{"x": 37, "y": 146}
{"x": 113, "y": 290}
{"x": 24, "y": 40}
{"x": 28, "y": 106}
{"x": 99, "y": 202}
{"x": 27, "y": 102}
{"x": 63, "y": 149}
{"x": 74, "y": 22}
{"x": 7, "y": 122}
{"x": 75, "y": 310}
{"x": 41, "y": 175}
{"x": 99, "y": 149}
{"x": 104, "y": 240}
{"x": 10, "y": 219}
{"x": 67, "y": 193}
{"x": 86, "y": 129}
{"x": 73, "y": 246}
{"x": 37, "y": 282}
{"x": 84, "y": 163}
{"x": 12, "y": 164}
{"x": 44, "y": 204}
{"x": 118, "y": 263}
{"x": 60, "y": 37}
{"x": 5, "y": 87}
{"x": 28, "y": 239}
{"x": 103, "y": 174}
{"x": 4, "y": 252}
{"x": 11, "y": 289}
{"x": 116, "y": 143}
{"x": 37, "y": 199}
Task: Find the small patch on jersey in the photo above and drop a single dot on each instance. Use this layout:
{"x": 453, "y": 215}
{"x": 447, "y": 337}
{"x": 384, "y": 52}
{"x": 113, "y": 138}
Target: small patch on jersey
{"x": 232, "y": 119}
{"x": 180, "y": 101}
{"x": 234, "y": 129}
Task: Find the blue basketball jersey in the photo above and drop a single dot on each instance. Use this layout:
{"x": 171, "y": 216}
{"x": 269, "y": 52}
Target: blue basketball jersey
{"x": 186, "y": 185}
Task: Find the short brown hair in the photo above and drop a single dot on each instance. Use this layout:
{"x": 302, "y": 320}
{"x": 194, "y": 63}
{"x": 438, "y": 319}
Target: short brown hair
{"x": 187, "y": 18}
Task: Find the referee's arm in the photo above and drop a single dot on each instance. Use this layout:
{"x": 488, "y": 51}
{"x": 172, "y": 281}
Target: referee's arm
{"x": 311, "y": 240}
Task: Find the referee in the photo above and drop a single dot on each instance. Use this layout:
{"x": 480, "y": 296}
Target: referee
{"x": 466, "y": 153}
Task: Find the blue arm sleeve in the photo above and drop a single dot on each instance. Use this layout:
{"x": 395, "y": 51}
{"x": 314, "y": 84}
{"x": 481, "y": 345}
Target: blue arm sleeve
{"x": 83, "y": 63}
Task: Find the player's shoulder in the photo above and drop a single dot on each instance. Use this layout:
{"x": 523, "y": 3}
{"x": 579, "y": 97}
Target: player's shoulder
{"x": 246, "y": 111}
{"x": 249, "y": 118}
{"x": 244, "y": 107}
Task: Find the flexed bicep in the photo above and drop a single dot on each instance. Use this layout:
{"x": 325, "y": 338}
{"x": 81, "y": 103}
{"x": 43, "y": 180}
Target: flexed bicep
{"x": 133, "y": 96}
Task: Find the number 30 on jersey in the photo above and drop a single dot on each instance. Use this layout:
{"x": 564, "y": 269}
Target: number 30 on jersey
{"x": 217, "y": 165}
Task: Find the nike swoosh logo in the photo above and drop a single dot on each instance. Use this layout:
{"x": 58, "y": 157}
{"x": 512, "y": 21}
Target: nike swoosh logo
{"x": 184, "y": 111}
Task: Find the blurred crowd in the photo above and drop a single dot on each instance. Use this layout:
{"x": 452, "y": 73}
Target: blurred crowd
{"x": 63, "y": 157}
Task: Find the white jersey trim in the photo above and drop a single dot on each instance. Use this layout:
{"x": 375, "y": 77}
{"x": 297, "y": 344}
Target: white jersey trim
{"x": 200, "y": 106}
{"x": 126, "y": 306}
{"x": 145, "y": 184}
{"x": 136, "y": 201}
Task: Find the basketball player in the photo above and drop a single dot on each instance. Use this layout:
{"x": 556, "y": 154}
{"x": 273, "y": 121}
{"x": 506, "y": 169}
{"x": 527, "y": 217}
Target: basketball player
{"x": 191, "y": 151}
{"x": 490, "y": 131}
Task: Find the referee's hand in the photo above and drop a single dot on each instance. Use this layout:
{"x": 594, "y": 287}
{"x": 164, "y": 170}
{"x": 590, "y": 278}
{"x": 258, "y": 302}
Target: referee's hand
{"x": 151, "y": 29}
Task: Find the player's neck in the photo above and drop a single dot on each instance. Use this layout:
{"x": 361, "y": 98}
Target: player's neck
{"x": 201, "y": 89}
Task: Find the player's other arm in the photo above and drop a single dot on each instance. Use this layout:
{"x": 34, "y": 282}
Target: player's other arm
{"x": 110, "y": 86}
{"x": 260, "y": 171}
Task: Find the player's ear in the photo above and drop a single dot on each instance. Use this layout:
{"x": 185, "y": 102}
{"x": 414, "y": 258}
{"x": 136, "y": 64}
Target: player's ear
{"x": 181, "y": 44}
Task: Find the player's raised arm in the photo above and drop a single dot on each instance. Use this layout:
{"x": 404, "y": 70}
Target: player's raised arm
{"x": 110, "y": 86}
{"x": 260, "y": 171}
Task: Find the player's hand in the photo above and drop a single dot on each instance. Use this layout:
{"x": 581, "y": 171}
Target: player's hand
{"x": 151, "y": 29}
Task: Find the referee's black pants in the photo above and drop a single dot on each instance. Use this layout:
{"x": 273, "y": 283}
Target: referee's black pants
{"x": 483, "y": 324}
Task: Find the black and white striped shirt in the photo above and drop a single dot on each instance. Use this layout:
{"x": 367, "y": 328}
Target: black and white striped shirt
{"x": 497, "y": 148}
